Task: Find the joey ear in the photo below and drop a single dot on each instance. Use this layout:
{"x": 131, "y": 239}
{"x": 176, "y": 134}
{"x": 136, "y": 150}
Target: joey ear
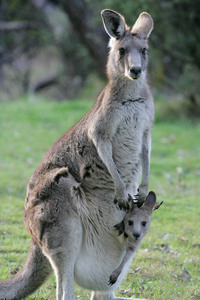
{"x": 113, "y": 22}
{"x": 143, "y": 26}
{"x": 157, "y": 205}
{"x": 150, "y": 201}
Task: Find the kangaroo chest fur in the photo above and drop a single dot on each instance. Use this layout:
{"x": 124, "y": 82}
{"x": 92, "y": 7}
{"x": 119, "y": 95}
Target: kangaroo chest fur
{"x": 128, "y": 140}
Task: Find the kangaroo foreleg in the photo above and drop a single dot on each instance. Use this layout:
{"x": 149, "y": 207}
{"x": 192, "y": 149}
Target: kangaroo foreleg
{"x": 104, "y": 149}
{"x": 145, "y": 159}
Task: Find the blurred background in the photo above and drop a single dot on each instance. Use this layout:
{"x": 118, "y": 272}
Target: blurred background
{"x": 52, "y": 67}
{"x": 57, "y": 49}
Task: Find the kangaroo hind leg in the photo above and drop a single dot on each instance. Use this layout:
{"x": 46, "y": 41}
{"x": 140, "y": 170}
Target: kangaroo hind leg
{"x": 53, "y": 220}
{"x": 62, "y": 249}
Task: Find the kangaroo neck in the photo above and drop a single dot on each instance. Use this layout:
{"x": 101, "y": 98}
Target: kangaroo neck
{"x": 122, "y": 88}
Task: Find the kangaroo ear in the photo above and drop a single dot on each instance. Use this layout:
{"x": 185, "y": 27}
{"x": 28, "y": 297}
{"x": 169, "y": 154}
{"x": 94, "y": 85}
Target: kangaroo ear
{"x": 143, "y": 26}
{"x": 113, "y": 22}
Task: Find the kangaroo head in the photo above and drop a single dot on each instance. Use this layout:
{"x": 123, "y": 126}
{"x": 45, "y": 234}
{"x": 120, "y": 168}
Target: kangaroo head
{"x": 128, "y": 47}
{"x": 137, "y": 221}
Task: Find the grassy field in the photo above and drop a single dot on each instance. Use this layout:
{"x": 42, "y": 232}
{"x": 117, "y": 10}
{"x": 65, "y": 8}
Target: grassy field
{"x": 167, "y": 266}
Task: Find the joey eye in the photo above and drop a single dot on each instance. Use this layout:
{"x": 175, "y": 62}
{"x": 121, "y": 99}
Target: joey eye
{"x": 144, "y": 224}
{"x": 130, "y": 223}
{"x": 144, "y": 51}
{"x": 122, "y": 51}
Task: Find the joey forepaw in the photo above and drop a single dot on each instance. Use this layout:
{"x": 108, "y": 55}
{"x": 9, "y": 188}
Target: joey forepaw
{"x": 113, "y": 278}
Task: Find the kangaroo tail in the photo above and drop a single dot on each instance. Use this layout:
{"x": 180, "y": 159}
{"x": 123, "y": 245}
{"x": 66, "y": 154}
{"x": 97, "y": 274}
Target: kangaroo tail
{"x": 35, "y": 271}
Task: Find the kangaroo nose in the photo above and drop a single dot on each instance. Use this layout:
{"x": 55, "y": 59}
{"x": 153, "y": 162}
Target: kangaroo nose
{"x": 135, "y": 70}
{"x": 136, "y": 235}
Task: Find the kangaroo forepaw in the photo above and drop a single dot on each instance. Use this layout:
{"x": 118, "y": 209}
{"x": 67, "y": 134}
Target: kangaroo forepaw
{"x": 124, "y": 204}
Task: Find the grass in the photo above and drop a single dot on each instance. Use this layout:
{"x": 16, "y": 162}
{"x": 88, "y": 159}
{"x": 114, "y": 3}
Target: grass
{"x": 168, "y": 262}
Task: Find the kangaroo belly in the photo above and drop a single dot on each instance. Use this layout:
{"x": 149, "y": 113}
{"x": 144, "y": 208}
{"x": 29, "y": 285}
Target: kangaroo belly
{"x": 96, "y": 262}
{"x": 101, "y": 249}
{"x": 93, "y": 268}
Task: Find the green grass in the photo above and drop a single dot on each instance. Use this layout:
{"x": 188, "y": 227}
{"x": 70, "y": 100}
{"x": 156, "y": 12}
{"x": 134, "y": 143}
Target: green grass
{"x": 27, "y": 129}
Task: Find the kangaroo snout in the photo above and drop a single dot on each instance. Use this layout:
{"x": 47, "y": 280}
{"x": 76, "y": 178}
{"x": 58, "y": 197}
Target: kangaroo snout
{"x": 135, "y": 72}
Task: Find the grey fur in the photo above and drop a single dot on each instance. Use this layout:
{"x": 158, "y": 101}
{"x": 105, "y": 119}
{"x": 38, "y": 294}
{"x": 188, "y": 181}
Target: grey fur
{"x": 69, "y": 208}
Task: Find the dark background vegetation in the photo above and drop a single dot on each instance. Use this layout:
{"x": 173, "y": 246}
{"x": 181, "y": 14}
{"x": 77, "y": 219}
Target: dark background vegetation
{"x": 57, "y": 48}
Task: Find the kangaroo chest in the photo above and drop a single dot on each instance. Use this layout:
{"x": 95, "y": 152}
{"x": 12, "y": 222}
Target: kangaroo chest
{"x": 128, "y": 139}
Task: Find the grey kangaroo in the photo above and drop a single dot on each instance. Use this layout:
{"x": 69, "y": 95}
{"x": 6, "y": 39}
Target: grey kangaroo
{"x": 73, "y": 197}
{"x": 134, "y": 226}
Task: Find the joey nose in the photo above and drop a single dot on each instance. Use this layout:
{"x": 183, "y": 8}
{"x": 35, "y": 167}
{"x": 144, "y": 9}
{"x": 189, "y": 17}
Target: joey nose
{"x": 135, "y": 71}
{"x": 136, "y": 235}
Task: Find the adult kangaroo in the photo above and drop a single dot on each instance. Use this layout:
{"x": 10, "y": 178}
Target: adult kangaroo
{"x": 85, "y": 182}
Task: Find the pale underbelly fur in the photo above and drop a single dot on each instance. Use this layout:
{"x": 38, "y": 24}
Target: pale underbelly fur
{"x": 96, "y": 263}
{"x": 102, "y": 252}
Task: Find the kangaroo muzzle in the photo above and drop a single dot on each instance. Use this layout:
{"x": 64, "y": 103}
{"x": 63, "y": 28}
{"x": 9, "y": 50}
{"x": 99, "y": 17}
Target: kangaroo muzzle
{"x": 135, "y": 72}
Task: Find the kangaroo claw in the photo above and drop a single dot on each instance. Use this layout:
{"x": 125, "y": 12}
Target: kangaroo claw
{"x": 122, "y": 204}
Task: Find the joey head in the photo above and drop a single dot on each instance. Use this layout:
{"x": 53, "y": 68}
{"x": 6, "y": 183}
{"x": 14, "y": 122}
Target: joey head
{"x": 134, "y": 227}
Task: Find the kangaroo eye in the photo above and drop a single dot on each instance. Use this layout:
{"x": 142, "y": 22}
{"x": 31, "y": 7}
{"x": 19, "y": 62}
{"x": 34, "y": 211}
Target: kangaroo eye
{"x": 144, "y": 224}
{"x": 144, "y": 51}
{"x": 130, "y": 223}
{"x": 122, "y": 51}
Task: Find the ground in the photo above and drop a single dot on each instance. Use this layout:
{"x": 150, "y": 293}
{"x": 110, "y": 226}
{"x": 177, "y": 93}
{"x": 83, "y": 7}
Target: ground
{"x": 167, "y": 264}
